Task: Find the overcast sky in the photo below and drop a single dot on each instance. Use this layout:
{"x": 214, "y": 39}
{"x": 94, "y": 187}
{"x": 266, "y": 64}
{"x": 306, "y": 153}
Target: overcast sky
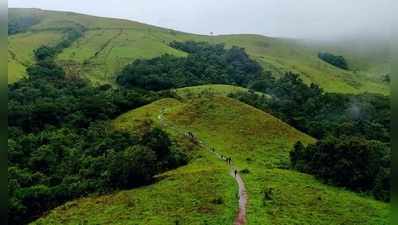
{"x": 315, "y": 19}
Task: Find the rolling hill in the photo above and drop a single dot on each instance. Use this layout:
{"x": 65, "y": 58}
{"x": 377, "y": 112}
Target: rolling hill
{"x": 109, "y": 44}
{"x": 203, "y": 193}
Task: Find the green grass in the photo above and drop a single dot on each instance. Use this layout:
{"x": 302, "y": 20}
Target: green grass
{"x": 187, "y": 195}
{"x": 260, "y": 143}
{"x": 119, "y": 42}
{"x": 211, "y": 89}
{"x": 256, "y": 141}
{"x": 20, "y": 51}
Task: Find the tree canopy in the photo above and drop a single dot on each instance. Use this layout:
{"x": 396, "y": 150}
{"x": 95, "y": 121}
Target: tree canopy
{"x": 205, "y": 64}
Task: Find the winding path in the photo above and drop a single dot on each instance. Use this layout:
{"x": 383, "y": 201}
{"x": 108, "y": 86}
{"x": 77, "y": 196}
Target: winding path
{"x": 240, "y": 218}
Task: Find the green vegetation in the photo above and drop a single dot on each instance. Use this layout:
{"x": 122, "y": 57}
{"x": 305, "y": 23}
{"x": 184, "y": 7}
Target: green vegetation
{"x": 111, "y": 44}
{"x": 356, "y": 163}
{"x": 72, "y": 136}
{"x": 205, "y": 64}
{"x": 214, "y": 89}
{"x": 21, "y": 24}
{"x": 320, "y": 114}
{"x": 338, "y": 61}
{"x": 256, "y": 141}
{"x": 186, "y": 195}
{"x": 61, "y": 146}
{"x": 20, "y": 51}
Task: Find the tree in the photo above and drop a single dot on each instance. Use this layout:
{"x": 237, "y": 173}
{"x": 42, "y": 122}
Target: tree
{"x": 338, "y": 61}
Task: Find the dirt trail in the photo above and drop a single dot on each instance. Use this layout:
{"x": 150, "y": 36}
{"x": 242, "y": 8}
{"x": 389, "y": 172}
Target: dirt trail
{"x": 240, "y": 218}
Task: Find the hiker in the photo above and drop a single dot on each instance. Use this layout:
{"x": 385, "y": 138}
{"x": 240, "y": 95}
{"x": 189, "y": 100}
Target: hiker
{"x": 236, "y": 172}
{"x": 229, "y": 159}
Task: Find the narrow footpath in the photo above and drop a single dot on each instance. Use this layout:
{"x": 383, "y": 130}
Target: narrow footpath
{"x": 240, "y": 218}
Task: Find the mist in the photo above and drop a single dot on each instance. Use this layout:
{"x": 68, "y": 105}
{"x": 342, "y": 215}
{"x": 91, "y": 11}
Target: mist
{"x": 306, "y": 19}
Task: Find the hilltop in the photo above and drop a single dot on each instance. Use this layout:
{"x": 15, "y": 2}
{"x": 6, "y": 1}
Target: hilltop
{"x": 257, "y": 142}
{"x": 110, "y": 44}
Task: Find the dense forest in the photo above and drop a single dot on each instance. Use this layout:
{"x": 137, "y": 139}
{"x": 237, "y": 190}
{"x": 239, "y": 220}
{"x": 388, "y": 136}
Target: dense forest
{"x": 351, "y": 161}
{"x": 205, "y": 64}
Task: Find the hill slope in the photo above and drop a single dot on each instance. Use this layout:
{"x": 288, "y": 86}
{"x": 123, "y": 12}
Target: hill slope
{"x": 110, "y": 44}
{"x": 256, "y": 141}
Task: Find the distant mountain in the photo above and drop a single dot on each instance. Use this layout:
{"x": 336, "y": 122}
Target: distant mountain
{"x": 110, "y": 44}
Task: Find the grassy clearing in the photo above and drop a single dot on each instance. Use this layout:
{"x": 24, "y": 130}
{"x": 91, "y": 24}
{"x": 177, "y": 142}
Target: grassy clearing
{"x": 119, "y": 42}
{"x": 257, "y": 142}
{"x": 20, "y": 51}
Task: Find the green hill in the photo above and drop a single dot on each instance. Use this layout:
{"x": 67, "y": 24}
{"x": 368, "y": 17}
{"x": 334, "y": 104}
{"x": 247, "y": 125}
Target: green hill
{"x": 203, "y": 193}
{"x": 109, "y": 44}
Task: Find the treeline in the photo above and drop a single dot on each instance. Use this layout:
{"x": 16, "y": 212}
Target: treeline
{"x": 61, "y": 145}
{"x": 338, "y": 61}
{"x": 353, "y": 162}
{"x": 21, "y": 24}
{"x": 354, "y": 131}
{"x": 321, "y": 114}
{"x": 205, "y": 64}
{"x": 71, "y": 34}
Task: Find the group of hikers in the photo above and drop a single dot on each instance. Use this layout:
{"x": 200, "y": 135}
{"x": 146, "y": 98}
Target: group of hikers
{"x": 227, "y": 159}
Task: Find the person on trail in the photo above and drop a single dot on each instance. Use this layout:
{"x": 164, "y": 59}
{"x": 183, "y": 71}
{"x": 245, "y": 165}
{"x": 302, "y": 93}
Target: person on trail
{"x": 229, "y": 160}
{"x": 236, "y": 172}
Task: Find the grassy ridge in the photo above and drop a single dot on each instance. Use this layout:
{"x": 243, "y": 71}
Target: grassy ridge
{"x": 257, "y": 142}
{"x": 110, "y": 44}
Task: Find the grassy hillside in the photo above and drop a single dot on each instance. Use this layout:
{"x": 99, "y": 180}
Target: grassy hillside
{"x": 256, "y": 141}
{"x": 187, "y": 195}
{"x": 20, "y": 50}
{"x": 110, "y": 44}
